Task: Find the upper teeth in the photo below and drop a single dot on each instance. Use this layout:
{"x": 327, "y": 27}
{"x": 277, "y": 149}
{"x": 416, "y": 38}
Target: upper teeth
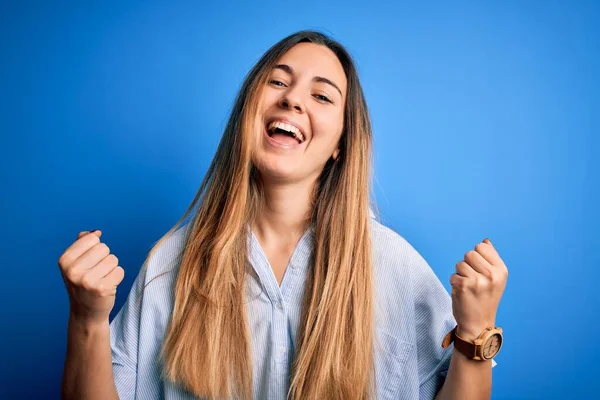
{"x": 287, "y": 127}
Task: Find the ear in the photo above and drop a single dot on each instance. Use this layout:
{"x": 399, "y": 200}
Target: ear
{"x": 336, "y": 154}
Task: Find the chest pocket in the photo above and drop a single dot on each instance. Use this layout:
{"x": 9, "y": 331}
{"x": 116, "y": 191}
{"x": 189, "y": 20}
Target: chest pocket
{"x": 390, "y": 366}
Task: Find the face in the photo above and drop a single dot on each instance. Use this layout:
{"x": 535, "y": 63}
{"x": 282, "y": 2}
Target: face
{"x": 302, "y": 114}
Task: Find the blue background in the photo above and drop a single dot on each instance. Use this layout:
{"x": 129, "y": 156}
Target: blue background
{"x": 485, "y": 118}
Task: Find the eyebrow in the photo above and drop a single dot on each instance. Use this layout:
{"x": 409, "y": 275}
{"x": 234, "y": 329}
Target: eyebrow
{"x": 290, "y": 70}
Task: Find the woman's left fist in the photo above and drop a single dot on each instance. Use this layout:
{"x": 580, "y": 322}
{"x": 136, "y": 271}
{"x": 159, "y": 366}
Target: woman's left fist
{"x": 477, "y": 287}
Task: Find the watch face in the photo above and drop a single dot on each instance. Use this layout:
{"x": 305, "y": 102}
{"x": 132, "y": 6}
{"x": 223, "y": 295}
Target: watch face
{"x": 492, "y": 346}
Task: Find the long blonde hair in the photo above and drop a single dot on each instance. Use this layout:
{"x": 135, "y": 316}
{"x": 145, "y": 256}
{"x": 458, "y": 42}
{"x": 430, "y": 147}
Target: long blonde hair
{"x": 207, "y": 344}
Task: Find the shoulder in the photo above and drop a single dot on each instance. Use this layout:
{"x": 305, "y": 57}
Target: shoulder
{"x": 392, "y": 252}
{"x": 402, "y": 277}
{"x": 151, "y": 297}
{"x": 393, "y": 274}
{"x": 137, "y": 330}
{"x": 397, "y": 260}
{"x": 165, "y": 258}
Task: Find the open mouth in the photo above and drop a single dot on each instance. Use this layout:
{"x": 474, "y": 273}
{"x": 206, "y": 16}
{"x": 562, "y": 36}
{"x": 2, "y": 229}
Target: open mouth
{"x": 285, "y": 133}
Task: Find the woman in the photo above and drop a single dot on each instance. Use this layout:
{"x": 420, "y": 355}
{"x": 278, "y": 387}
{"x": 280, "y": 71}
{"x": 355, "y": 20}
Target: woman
{"x": 281, "y": 283}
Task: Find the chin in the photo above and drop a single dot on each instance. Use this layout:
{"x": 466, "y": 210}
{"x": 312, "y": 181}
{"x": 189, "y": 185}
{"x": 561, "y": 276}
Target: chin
{"x": 279, "y": 171}
{"x": 277, "y": 174}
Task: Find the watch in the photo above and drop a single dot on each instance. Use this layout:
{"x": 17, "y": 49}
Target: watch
{"x": 484, "y": 348}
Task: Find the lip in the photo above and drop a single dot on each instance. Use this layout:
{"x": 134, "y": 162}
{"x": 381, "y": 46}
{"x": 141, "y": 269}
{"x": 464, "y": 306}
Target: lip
{"x": 279, "y": 145}
{"x": 287, "y": 121}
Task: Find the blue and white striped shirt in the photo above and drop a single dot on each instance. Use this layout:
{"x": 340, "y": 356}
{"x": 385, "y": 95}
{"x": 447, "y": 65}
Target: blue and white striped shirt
{"x": 413, "y": 312}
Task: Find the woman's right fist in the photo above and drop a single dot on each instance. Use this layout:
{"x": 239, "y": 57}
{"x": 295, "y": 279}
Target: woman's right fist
{"x": 91, "y": 275}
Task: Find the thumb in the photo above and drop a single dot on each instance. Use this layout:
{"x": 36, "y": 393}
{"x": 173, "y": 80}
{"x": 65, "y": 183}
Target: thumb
{"x": 96, "y": 232}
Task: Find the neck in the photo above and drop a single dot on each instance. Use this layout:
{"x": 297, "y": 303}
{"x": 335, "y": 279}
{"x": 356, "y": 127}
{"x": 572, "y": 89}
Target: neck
{"x": 284, "y": 214}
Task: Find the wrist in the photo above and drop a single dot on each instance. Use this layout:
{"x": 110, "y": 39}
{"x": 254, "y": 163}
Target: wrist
{"x": 479, "y": 346}
{"x": 88, "y": 324}
{"x": 470, "y": 333}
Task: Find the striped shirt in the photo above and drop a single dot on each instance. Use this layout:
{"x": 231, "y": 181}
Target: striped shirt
{"x": 413, "y": 312}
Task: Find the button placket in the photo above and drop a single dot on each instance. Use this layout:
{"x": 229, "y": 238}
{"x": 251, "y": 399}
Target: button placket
{"x": 281, "y": 354}
{"x": 281, "y": 337}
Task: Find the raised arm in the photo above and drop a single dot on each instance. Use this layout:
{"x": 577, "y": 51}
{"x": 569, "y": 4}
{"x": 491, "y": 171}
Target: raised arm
{"x": 91, "y": 276}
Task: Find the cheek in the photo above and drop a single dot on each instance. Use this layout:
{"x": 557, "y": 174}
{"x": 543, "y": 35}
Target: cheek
{"x": 328, "y": 126}
{"x": 268, "y": 98}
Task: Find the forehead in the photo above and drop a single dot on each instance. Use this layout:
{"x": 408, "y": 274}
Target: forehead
{"x": 310, "y": 60}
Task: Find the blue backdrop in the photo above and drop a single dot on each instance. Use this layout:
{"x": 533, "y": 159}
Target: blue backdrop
{"x": 485, "y": 119}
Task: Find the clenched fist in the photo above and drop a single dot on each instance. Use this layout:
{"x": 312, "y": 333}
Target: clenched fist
{"x": 477, "y": 287}
{"x": 91, "y": 275}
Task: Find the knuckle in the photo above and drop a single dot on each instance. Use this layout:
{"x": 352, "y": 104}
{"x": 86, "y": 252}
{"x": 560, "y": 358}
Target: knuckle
{"x": 480, "y": 247}
{"x": 120, "y": 273}
{"x": 488, "y": 273}
{"x": 103, "y": 247}
{"x": 71, "y": 275}
{"x": 465, "y": 268}
{"x": 76, "y": 265}
{"x": 114, "y": 260}
{"x": 87, "y": 283}
{"x": 495, "y": 279}
{"x": 458, "y": 282}
{"x": 485, "y": 283}
{"x": 64, "y": 260}
{"x": 478, "y": 284}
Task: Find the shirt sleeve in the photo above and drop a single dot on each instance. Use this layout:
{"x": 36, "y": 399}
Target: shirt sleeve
{"x": 433, "y": 315}
{"x": 124, "y": 334}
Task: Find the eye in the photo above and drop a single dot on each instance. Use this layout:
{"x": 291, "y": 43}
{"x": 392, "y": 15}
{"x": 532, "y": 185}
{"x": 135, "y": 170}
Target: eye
{"x": 275, "y": 82}
{"x": 321, "y": 97}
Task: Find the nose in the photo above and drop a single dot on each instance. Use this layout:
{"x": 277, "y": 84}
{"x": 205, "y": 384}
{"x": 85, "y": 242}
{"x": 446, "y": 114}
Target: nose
{"x": 291, "y": 100}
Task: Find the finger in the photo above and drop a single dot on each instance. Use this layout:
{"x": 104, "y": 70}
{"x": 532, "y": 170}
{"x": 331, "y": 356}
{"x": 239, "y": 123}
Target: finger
{"x": 92, "y": 256}
{"x": 93, "y": 275}
{"x": 458, "y": 282}
{"x": 114, "y": 277}
{"x": 78, "y": 248}
{"x": 478, "y": 263}
{"x": 97, "y": 232}
{"x": 463, "y": 269}
{"x": 489, "y": 253}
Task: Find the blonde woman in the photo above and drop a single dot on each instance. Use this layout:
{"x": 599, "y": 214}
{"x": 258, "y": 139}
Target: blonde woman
{"x": 278, "y": 282}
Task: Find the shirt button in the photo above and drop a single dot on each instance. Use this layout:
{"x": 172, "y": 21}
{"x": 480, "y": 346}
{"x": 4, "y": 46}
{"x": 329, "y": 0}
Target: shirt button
{"x": 279, "y": 305}
{"x": 282, "y": 349}
{"x": 293, "y": 265}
